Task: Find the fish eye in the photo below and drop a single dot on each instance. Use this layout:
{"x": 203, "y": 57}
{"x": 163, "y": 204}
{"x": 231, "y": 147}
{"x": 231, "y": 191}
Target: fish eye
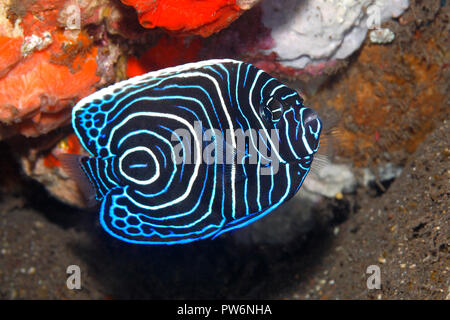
{"x": 272, "y": 111}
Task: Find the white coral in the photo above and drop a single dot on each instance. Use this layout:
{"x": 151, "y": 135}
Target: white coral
{"x": 34, "y": 42}
{"x": 314, "y": 31}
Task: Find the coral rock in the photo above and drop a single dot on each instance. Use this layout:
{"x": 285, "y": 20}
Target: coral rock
{"x": 287, "y": 38}
{"x": 312, "y": 32}
{"x": 9, "y": 53}
{"x": 189, "y": 16}
{"x": 53, "y": 53}
{"x": 45, "y": 168}
{"x": 34, "y": 94}
{"x": 393, "y": 101}
{"x": 167, "y": 52}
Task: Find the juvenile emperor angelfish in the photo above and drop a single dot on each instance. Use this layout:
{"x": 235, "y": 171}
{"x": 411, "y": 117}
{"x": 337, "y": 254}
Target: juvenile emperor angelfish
{"x": 193, "y": 151}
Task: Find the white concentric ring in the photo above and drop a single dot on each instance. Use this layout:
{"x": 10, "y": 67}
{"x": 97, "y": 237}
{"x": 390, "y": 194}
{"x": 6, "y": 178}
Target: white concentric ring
{"x": 197, "y": 151}
{"x": 137, "y": 181}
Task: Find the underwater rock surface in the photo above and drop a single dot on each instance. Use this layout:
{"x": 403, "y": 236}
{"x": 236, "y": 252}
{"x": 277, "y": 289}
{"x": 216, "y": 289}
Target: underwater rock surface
{"x": 317, "y": 32}
{"x": 46, "y": 169}
{"x": 294, "y": 39}
{"x": 189, "y": 17}
{"x": 49, "y": 60}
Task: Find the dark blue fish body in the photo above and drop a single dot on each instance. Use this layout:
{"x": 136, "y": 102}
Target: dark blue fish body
{"x": 154, "y": 184}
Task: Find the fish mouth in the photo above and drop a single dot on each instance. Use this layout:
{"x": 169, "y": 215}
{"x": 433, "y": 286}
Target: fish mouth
{"x": 309, "y": 117}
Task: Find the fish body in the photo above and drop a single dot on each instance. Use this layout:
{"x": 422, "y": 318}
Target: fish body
{"x": 193, "y": 151}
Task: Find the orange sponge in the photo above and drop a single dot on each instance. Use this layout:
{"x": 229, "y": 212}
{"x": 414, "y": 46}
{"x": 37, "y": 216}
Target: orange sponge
{"x": 201, "y": 17}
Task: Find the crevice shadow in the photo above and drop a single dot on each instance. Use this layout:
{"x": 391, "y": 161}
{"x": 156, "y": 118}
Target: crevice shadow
{"x": 208, "y": 269}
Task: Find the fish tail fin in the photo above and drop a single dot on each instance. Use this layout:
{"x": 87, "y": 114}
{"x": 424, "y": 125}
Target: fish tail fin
{"x": 72, "y": 164}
